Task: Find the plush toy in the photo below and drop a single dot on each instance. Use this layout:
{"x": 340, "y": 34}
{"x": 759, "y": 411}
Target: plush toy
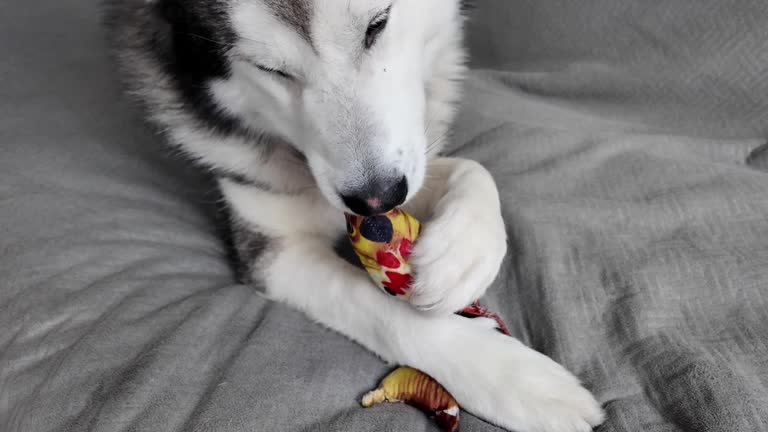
{"x": 383, "y": 243}
{"x": 417, "y": 389}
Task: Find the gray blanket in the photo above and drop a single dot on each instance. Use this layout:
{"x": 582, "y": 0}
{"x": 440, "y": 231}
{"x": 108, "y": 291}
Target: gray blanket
{"x": 625, "y": 137}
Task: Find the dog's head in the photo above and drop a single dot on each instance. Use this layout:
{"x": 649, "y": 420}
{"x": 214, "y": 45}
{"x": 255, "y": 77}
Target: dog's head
{"x": 364, "y": 89}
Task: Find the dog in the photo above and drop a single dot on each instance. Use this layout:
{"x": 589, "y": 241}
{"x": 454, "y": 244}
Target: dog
{"x": 306, "y": 109}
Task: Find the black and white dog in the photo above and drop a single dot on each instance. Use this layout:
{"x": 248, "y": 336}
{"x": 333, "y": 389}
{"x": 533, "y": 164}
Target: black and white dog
{"x": 305, "y": 109}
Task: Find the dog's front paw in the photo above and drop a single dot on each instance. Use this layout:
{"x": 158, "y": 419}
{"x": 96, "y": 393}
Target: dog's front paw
{"x": 458, "y": 254}
{"x": 506, "y": 383}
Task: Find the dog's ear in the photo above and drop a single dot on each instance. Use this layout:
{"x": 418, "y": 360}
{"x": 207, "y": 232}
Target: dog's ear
{"x": 174, "y": 12}
{"x": 169, "y": 10}
{"x": 195, "y": 39}
{"x": 192, "y": 40}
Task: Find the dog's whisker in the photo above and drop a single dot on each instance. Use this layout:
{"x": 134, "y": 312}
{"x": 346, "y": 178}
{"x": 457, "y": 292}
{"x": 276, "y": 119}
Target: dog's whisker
{"x": 262, "y": 43}
{"x": 437, "y": 142}
{"x": 441, "y": 136}
{"x": 211, "y": 40}
{"x": 428, "y": 126}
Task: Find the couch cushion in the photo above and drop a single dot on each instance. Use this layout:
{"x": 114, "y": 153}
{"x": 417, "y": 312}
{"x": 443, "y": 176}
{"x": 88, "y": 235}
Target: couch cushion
{"x": 684, "y": 66}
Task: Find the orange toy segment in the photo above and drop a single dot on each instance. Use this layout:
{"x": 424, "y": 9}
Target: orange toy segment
{"x": 419, "y": 390}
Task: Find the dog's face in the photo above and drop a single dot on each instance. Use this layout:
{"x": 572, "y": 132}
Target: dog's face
{"x": 361, "y": 87}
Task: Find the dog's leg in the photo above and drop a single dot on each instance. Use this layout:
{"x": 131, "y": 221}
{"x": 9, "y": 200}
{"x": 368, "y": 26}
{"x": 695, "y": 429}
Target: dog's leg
{"x": 491, "y": 375}
{"x": 460, "y": 251}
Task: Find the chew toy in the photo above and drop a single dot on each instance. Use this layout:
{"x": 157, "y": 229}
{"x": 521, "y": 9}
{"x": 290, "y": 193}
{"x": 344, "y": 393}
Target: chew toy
{"x": 383, "y": 243}
{"x": 416, "y": 388}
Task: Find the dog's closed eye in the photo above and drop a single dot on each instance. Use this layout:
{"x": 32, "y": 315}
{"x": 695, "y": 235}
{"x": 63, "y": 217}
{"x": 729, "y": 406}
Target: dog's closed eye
{"x": 376, "y": 27}
{"x": 277, "y": 72}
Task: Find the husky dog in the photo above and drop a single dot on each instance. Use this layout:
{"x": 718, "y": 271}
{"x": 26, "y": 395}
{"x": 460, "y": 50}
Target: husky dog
{"x": 305, "y": 109}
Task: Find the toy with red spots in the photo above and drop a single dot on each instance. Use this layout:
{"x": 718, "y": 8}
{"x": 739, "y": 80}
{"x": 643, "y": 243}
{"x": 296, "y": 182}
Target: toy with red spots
{"x": 383, "y": 243}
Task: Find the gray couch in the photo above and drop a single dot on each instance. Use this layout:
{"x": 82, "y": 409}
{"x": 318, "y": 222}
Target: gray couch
{"x": 625, "y": 136}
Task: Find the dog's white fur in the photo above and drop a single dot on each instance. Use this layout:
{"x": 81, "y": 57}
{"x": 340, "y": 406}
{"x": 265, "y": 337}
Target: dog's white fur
{"x": 389, "y": 107}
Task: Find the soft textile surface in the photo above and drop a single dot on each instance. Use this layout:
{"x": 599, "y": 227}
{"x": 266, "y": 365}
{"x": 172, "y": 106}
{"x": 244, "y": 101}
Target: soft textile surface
{"x": 691, "y": 66}
{"x": 638, "y": 259}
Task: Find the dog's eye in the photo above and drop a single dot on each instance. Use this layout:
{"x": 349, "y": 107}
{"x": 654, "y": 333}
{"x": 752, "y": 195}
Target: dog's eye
{"x": 276, "y": 72}
{"x": 376, "y": 27}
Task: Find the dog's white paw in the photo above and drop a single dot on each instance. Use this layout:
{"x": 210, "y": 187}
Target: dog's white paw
{"x": 458, "y": 255}
{"x": 504, "y": 382}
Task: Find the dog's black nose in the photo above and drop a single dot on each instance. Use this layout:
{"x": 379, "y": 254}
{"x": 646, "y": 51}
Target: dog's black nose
{"x": 377, "y": 197}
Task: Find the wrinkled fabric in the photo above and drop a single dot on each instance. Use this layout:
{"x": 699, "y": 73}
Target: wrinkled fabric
{"x": 694, "y": 67}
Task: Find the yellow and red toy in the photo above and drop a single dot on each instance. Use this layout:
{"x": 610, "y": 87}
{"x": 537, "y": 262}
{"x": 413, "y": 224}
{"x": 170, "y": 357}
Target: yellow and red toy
{"x": 418, "y": 389}
{"x": 383, "y": 243}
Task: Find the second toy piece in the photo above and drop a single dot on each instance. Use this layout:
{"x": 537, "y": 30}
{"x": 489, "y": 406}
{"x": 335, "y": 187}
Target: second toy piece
{"x": 383, "y": 243}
